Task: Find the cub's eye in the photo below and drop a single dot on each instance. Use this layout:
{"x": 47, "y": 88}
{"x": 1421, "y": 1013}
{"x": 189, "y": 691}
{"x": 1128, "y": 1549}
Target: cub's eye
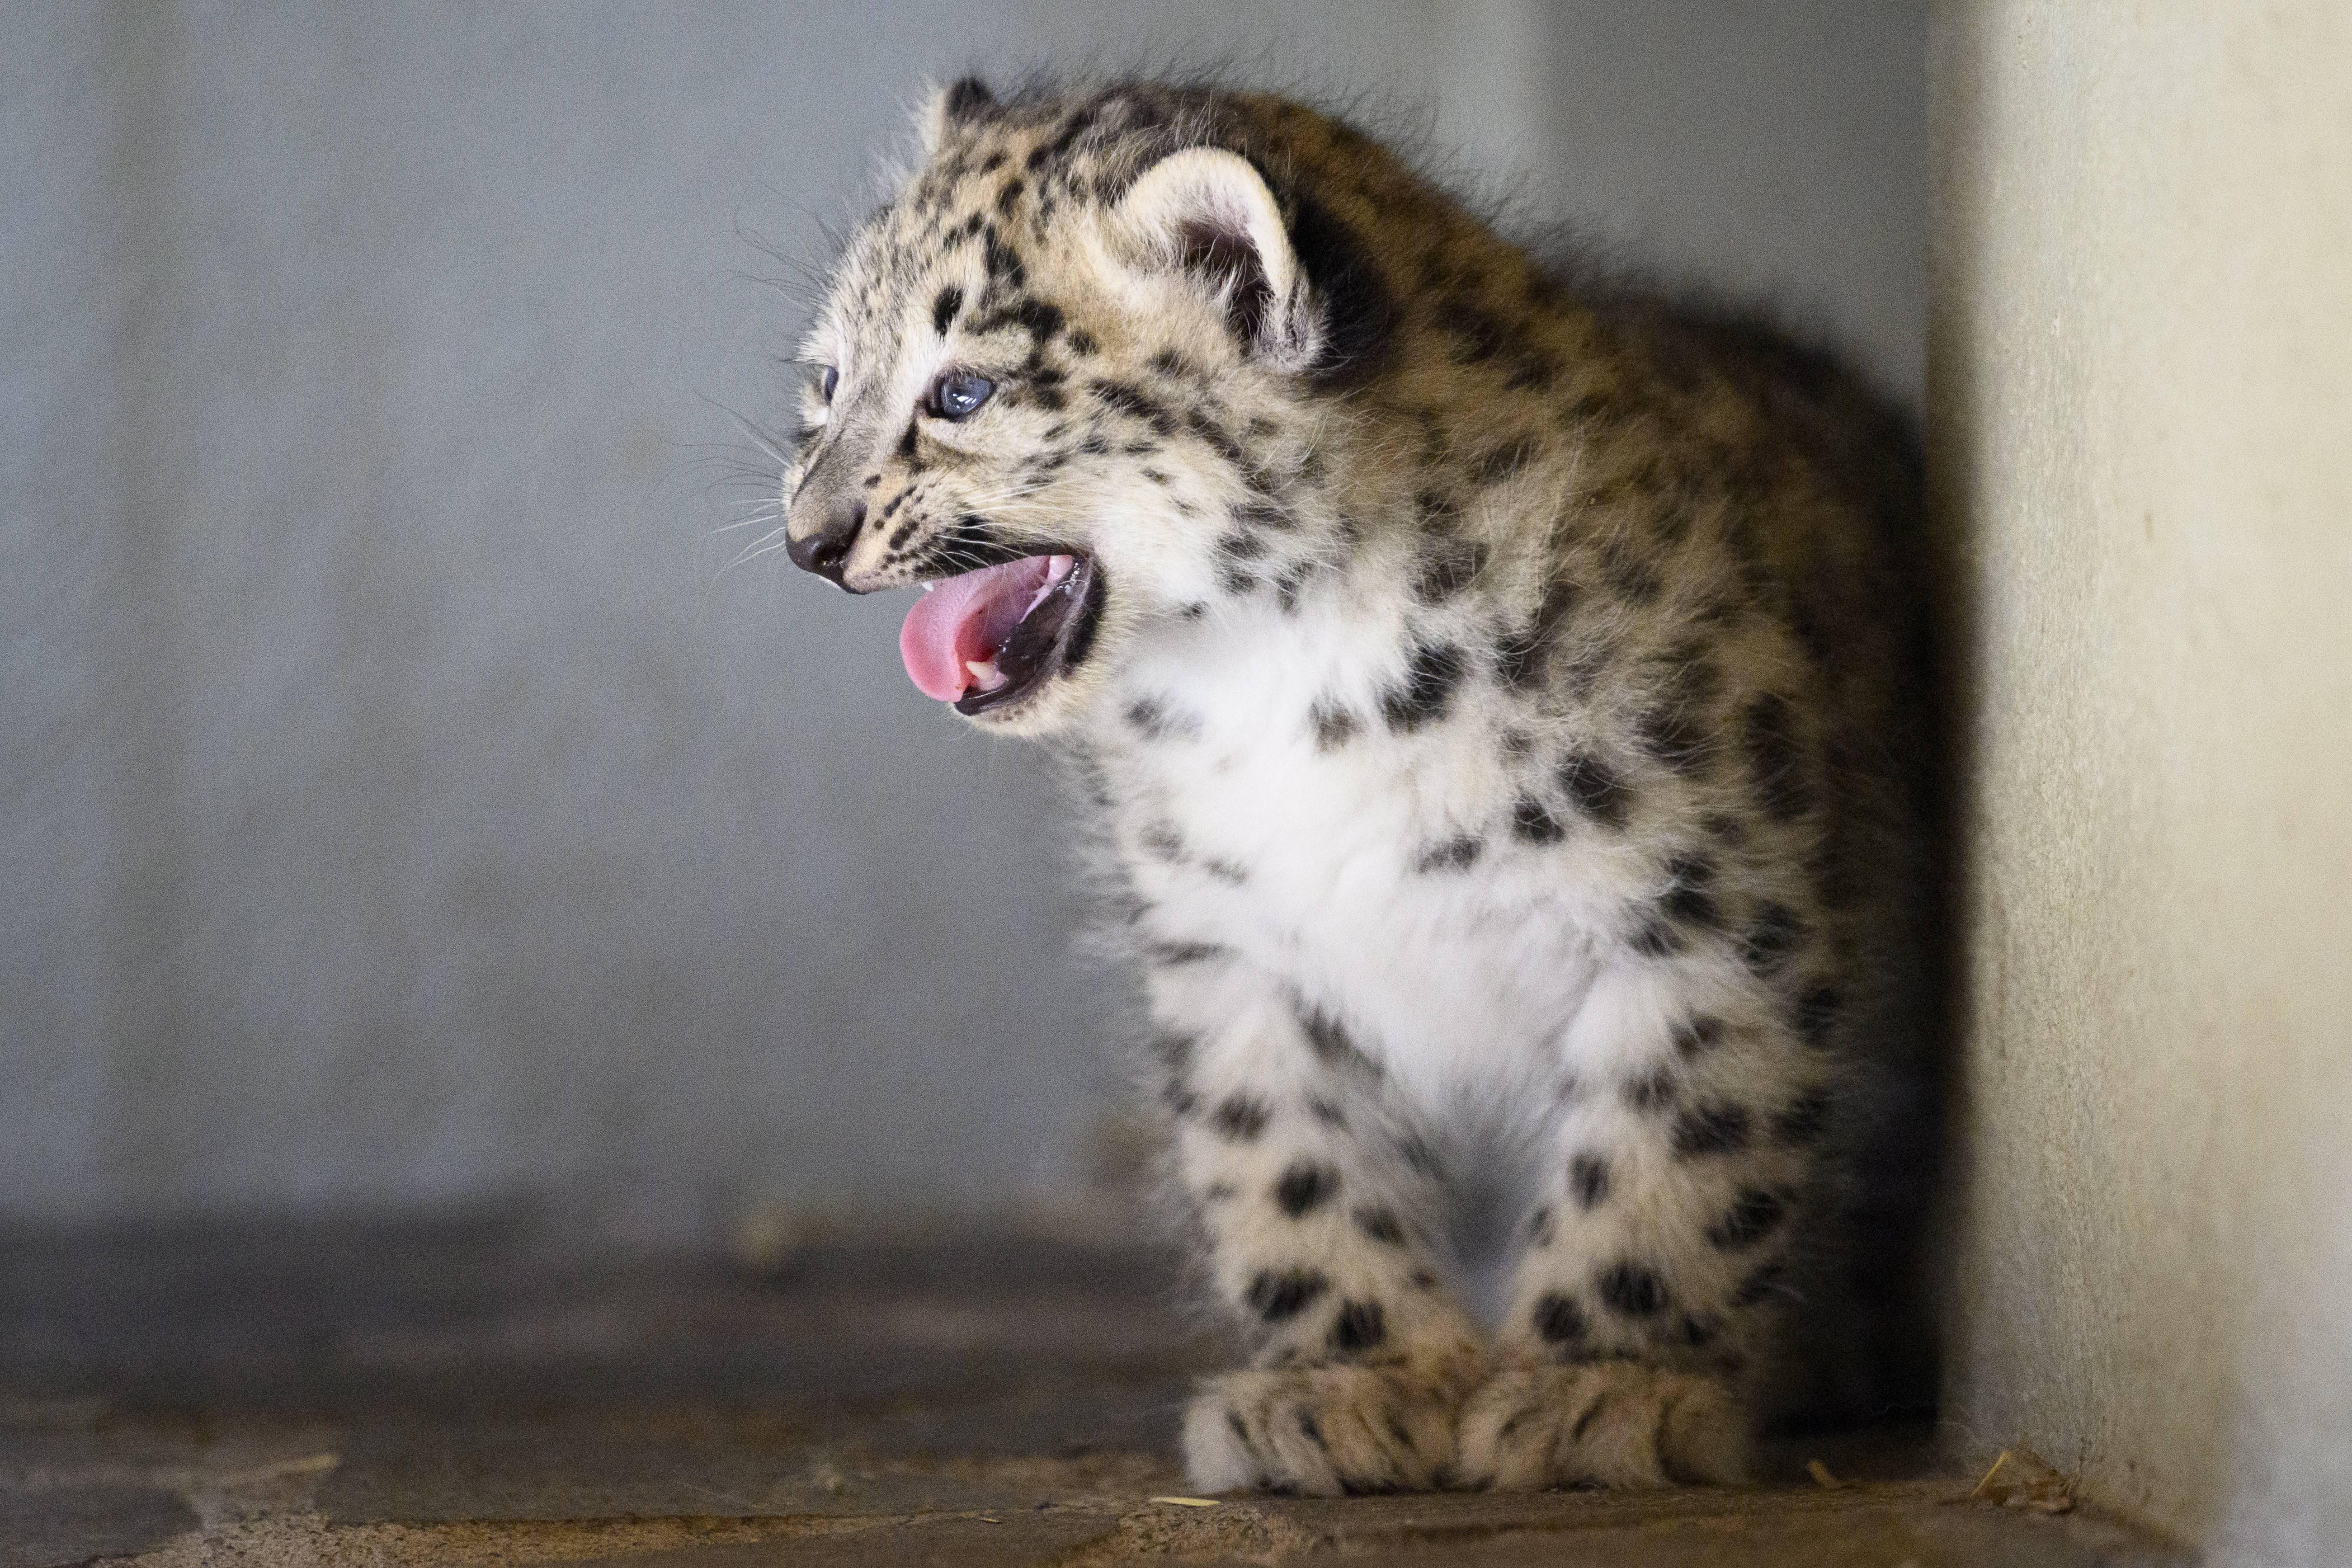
{"x": 958, "y": 394}
{"x": 831, "y": 380}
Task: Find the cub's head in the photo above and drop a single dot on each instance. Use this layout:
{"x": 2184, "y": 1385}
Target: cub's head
{"x": 1066, "y": 377}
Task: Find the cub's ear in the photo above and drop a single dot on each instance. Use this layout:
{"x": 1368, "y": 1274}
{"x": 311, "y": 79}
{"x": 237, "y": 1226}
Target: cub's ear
{"x": 1207, "y": 214}
{"x": 949, "y": 106}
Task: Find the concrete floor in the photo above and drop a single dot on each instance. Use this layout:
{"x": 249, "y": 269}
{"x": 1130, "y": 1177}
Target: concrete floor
{"x": 503, "y": 1391}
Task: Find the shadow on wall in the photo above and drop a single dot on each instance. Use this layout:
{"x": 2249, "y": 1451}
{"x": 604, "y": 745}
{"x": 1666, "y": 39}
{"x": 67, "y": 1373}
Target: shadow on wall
{"x": 404, "y": 806}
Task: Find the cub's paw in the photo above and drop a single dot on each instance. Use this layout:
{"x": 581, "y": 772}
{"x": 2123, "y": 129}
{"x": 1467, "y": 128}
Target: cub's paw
{"x": 1602, "y": 1424}
{"x": 1324, "y": 1431}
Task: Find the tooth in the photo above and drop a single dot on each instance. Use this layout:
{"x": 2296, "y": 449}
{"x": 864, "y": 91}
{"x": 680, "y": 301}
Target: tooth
{"x": 984, "y": 671}
{"x": 928, "y": 587}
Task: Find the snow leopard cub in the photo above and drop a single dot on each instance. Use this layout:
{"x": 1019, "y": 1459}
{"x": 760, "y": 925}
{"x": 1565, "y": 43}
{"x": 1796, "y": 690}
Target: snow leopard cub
{"x": 1497, "y": 695}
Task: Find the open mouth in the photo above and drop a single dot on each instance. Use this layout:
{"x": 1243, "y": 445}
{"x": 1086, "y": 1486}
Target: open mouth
{"x": 987, "y": 639}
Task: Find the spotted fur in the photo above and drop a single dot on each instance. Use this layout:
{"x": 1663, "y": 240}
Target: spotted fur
{"x": 1503, "y": 732}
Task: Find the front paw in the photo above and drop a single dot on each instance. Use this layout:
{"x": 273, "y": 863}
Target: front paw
{"x": 1605, "y": 1424}
{"x": 1324, "y": 1431}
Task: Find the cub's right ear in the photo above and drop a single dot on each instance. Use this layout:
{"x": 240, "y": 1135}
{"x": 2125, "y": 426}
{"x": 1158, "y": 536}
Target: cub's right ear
{"x": 1207, "y": 214}
{"x": 949, "y": 106}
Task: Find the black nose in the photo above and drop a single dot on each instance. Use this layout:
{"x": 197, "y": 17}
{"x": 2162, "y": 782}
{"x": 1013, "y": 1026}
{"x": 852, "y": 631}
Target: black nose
{"x": 825, "y": 550}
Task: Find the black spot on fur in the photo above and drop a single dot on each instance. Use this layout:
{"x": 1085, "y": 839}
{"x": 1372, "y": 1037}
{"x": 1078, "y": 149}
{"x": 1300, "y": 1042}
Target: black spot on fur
{"x": 1695, "y": 1036}
{"x": 1176, "y": 952}
{"x": 1478, "y": 335}
{"x": 1535, "y": 821}
{"x": 1804, "y": 1121}
{"x": 1006, "y": 197}
{"x": 1656, "y": 939}
{"x": 1653, "y": 1090}
{"x": 1518, "y": 657}
{"x": 1453, "y": 855}
{"x": 907, "y": 441}
{"x": 1447, "y": 568}
{"x": 1505, "y": 460}
{"x": 1152, "y": 718}
{"x": 1241, "y": 1116}
{"x": 1326, "y": 1036}
{"x": 1540, "y": 1229}
{"x": 1690, "y": 896}
{"x": 1675, "y": 736}
{"x": 1431, "y": 678}
{"x": 1558, "y": 1318}
{"x": 1415, "y": 1152}
{"x": 1130, "y": 400}
{"x": 1162, "y": 840}
{"x": 1594, "y": 788}
{"x": 1817, "y": 1014}
{"x": 1334, "y": 726}
{"x": 1081, "y": 341}
{"x": 1325, "y": 1112}
{"x": 1279, "y": 1296}
{"x": 1776, "y": 764}
{"x": 1054, "y": 151}
{"x": 1305, "y": 1186}
{"x": 1719, "y": 1129}
{"x": 1040, "y": 319}
{"x": 1753, "y": 1215}
{"x": 1631, "y": 1290}
{"x": 1530, "y": 373}
{"x": 1588, "y": 1178}
{"x": 1360, "y": 1326}
{"x": 1759, "y": 1284}
{"x": 1631, "y": 577}
{"x": 1380, "y": 1224}
{"x": 1241, "y": 546}
{"x": 1004, "y": 262}
{"x": 1771, "y": 939}
{"x": 1697, "y": 1333}
{"x": 944, "y": 309}
{"x": 1212, "y": 435}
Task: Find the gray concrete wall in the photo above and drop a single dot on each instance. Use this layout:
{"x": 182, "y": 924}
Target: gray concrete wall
{"x": 2141, "y": 406}
{"x": 401, "y": 804}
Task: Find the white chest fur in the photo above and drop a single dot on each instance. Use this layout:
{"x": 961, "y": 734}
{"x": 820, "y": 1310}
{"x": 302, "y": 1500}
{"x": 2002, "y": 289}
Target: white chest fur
{"x": 1318, "y": 857}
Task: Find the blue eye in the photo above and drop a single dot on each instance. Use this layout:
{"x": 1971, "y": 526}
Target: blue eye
{"x": 958, "y": 394}
{"x": 831, "y": 380}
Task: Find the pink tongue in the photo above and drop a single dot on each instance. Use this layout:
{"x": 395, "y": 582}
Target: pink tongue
{"x": 967, "y": 619}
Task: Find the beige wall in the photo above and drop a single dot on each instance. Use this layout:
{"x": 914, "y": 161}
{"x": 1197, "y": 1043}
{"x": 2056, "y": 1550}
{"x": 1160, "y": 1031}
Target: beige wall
{"x": 2140, "y": 390}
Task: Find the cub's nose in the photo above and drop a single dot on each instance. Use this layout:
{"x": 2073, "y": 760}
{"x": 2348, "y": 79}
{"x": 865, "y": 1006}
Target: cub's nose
{"x": 825, "y": 550}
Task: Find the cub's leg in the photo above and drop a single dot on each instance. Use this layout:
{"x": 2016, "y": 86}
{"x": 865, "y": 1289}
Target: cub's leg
{"x": 1316, "y": 1201}
{"x": 1655, "y": 1269}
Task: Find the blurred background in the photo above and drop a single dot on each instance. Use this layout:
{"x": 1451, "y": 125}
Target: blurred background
{"x": 404, "y": 803}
